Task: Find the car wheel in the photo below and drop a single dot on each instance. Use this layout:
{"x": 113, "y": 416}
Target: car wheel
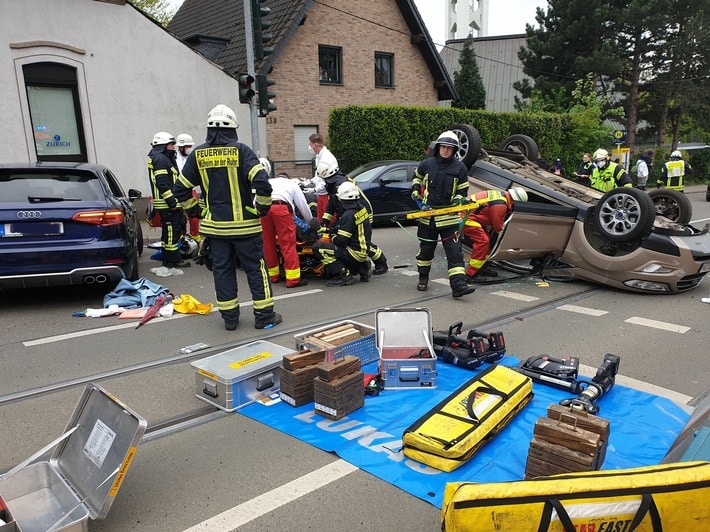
{"x": 131, "y": 270}
{"x": 672, "y": 204}
{"x": 522, "y": 144}
{"x": 469, "y": 143}
{"x": 707, "y": 194}
{"x": 624, "y": 214}
{"x": 139, "y": 238}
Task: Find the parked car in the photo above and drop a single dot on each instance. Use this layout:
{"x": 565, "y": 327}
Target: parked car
{"x": 66, "y": 224}
{"x": 388, "y": 187}
{"x": 569, "y": 231}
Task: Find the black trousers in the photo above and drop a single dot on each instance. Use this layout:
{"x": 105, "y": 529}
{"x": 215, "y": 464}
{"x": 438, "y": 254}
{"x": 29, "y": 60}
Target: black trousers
{"x": 429, "y": 235}
{"x": 174, "y": 226}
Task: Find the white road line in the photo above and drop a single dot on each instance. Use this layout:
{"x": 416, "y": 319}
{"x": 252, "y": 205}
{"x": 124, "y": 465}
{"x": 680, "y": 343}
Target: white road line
{"x": 442, "y": 280}
{"x": 132, "y": 324}
{"x": 410, "y": 273}
{"x": 583, "y": 310}
{"x": 263, "y": 504}
{"x": 515, "y": 295}
{"x": 658, "y": 325}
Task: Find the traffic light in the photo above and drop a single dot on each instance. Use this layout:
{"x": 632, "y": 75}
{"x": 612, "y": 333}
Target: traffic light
{"x": 262, "y": 86}
{"x": 258, "y": 12}
{"x": 246, "y": 88}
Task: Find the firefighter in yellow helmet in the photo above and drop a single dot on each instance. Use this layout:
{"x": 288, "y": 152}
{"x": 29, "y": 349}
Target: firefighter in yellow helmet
{"x": 607, "y": 175}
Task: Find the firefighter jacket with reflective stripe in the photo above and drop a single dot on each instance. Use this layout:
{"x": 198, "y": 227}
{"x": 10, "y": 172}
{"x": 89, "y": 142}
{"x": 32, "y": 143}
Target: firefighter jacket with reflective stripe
{"x": 613, "y": 175}
{"x": 227, "y": 171}
{"x": 441, "y": 183}
{"x": 493, "y": 208}
{"x": 354, "y": 229}
{"x": 335, "y": 207}
{"x": 673, "y": 172}
{"x": 162, "y": 172}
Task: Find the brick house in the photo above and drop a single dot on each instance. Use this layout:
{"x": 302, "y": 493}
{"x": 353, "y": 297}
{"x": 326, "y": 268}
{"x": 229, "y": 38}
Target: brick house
{"x": 326, "y": 55}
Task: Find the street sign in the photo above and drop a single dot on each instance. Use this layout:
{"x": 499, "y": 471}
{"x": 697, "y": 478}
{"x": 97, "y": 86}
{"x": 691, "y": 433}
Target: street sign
{"x": 619, "y": 136}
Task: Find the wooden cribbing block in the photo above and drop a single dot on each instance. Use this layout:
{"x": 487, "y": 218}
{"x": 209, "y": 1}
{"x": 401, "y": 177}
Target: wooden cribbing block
{"x": 336, "y": 399}
{"x": 329, "y": 371}
{"x": 333, "y": 330}
{"x": 303, "y": 359}
{"x": 586, "y": 421}
{"x": 545, "y": 458}
{"x": 566, "y": 435}
{"x": 342, "y": 337}
{"x": 317, "y": 342}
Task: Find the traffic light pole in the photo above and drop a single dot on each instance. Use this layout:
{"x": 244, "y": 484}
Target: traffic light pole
{"x": 249, "y": 45}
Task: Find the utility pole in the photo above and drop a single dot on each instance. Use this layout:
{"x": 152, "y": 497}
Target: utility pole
{"x": 249, "y": 45}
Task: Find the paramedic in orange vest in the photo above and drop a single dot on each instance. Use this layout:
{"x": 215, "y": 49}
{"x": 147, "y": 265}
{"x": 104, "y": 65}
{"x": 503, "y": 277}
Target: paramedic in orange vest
{"x": 673, "y": 171}
{"x": 493, "y": 208}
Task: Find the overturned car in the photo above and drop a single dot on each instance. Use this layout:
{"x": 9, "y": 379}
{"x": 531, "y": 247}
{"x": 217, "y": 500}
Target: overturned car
{"x": 625, "y": 238}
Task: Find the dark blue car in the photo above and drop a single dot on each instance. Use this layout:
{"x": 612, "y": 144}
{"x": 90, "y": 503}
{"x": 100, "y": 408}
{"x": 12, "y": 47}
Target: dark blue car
{"x": 388, "y": 186}
{"x": 66, "y": 224}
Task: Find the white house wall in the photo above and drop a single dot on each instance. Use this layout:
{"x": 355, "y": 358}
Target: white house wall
{"x": 134, "y": 79}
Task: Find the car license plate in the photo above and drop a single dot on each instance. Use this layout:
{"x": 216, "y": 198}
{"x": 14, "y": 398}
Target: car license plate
{"x": 31, "y": 229}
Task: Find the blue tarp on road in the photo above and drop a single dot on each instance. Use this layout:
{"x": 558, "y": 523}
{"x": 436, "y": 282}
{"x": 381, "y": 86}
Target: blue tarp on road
{"x": 643, "y": 427}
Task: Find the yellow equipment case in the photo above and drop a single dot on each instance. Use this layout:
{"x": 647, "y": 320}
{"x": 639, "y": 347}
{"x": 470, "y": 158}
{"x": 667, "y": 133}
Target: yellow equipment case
{"x": 451, "y": 432}
{"x": 669, "y": 497}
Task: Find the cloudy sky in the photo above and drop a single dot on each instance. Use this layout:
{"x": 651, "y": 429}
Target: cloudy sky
{"x": 505, "y": 17}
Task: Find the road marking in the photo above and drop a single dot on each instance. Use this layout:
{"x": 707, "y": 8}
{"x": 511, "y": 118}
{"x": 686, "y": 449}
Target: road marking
{"x": 410, "y": 273}
{"x": 515, "y": 295}
{"x": 263, "y": 504}
{"x": 132, "y": 324}
{"x": 658, "y": 325}
{"x": 442, "y": 280}
{"x": 583, "y": 310}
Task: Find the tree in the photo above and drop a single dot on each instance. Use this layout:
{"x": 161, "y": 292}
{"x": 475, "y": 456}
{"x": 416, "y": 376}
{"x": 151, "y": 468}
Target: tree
{"x": 159, "y": 10}
{"x": 468, "y": 81}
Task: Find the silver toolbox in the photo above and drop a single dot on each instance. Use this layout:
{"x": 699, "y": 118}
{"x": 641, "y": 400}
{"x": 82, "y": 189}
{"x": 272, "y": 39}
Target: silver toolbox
{"x": 239, "y": 376}
{"x": 406, "y": 356}
{"x": 364, "y": 348}
{"x": 86, "y": 469}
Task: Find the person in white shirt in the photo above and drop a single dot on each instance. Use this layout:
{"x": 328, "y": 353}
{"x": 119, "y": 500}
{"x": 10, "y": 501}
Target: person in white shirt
{"x": 323, "y": 155}
{"x": 183, "y": 148}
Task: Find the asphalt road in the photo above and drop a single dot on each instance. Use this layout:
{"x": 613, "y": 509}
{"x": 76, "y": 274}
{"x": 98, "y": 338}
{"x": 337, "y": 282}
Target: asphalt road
{"x": 231, "y": 472}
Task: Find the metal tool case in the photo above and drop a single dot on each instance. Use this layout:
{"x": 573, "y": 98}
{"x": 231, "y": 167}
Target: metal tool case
{"x": 406, "y": 356}
{"x": 83, "y": 475}
{"x": 239, "y": 376}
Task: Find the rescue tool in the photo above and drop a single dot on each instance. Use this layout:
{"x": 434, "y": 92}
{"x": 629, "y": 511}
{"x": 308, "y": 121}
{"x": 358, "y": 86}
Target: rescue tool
{"x": 430, "y": 211}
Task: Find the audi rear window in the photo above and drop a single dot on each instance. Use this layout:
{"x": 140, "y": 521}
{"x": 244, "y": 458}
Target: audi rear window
{"x": 40, "y": 187}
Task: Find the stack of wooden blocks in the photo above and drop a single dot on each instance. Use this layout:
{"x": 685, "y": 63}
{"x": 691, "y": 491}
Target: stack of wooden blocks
{"x": 298, "y": 371}
{"x": 567, "y": 441}
{"x": 334, "y": 336}
{"x": 338, "y": 389}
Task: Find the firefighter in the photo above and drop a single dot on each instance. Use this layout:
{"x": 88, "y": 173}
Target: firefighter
{"x": 333, "y": 178}
{"x": 278, "y": 226}
{"x": 607, "y": 175}
{"x": 347, "y": 250}
{"x": 227, "y": 171}
{"x": 673, "y": 171}
{"x": 162, "y": 172}
{"x": 441, "y": 181}
{"x": 493, "y": 208}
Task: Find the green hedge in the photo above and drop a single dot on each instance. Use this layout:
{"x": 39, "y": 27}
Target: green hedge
{"x": 360, "y": 134}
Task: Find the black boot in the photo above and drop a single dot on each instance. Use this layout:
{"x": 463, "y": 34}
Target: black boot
{"x": 365, "y": 271}
{"x": 462, "y": 290}
{"x": 380, "y": 266}
{"x": 423, "y": 282}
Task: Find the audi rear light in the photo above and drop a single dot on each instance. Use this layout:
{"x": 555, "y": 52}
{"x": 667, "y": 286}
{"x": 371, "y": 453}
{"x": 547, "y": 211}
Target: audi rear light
{"x": 105, "y": 217}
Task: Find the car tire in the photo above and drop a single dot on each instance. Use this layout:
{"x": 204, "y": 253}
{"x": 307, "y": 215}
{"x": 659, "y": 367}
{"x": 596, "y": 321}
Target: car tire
{"x": 522, "y": 144}
{"x": 624, "y": 214}
{"x": 469, "y": 143}
{"x": 131, "y": 271}
{"x": 139, "y": 238}
{"x": 672, "y": 204}
{"x": 707, "y": 194}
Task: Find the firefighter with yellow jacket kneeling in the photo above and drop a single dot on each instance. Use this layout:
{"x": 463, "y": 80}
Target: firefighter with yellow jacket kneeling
{"x": 346, "y": 253}
{"x": 607, "y": 175}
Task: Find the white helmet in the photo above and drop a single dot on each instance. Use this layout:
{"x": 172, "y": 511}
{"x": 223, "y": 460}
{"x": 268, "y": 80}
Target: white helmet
{"x": 325, "y": 169}
{"x": 600, "y": 154}
{"x": 448, "y": 138}
{"x": 348, "y": 191}
{"x": 676, "y": 154}
{"x": 222, "y": 116}
{"x": 183, "y": 139}
{"x": 518, "y": 194}
{"x": 188, "y": 247}
{"x": 162, "y": 137}
{"x": 266, "y": 164}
